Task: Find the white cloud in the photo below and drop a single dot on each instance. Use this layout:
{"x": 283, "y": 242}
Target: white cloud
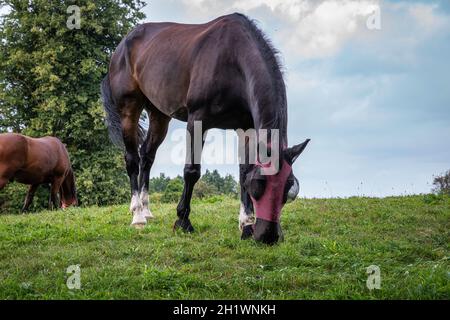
{"x": 367, "y": 102}
{"x": 327, "y": 27}
{"x": 309, "y": 28}
{"x": 321, "y": 28}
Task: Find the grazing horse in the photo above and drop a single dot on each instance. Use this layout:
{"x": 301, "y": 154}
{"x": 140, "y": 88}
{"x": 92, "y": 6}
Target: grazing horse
{"x": 37, "y": 161}
{"x": 224, "y": 74}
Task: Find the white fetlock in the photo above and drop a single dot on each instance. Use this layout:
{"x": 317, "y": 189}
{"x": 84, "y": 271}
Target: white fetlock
{"x": 139, "y": 220}
{"x": 136, "y": 203}
{"x": 147, "y": 213}
{"x": 145, "y": 210}
{"x": 244, "y": 219}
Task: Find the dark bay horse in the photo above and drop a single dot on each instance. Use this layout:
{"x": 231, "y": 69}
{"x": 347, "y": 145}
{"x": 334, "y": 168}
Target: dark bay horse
{"x": 34, "y": 162}
{"x": 224, "y": 74}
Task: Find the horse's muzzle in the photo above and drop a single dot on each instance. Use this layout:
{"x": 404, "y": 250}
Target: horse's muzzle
{"x": 267, "y": 232}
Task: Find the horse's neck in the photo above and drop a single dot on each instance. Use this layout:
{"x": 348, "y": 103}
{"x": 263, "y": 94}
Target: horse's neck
{"x": 266, "y": 94}
{"x": 269, "y": 112}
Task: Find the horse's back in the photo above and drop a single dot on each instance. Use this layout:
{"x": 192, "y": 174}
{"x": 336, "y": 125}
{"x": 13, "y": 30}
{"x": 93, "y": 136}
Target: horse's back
{"x": 32, "y": 160}
{"x": 49, "y": 148}
{"x": 174, "y": 64}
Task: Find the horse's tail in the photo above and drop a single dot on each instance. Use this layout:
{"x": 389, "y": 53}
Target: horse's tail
{"x": 68, "y": 190}
{"x": 113, "y": 119}
{"x": 112, "y": 114}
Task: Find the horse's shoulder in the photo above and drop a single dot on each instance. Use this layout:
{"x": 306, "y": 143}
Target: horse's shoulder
{"x": 143, "y": 31}
{"x": 12, "y": 145}
{"x": 12, "y": 138}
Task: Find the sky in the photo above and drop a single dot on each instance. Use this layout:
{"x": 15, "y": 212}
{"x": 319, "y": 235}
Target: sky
{"x": 367, "y": 82}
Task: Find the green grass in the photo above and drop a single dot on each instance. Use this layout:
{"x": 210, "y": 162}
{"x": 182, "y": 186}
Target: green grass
{"x": 328, "y": 245}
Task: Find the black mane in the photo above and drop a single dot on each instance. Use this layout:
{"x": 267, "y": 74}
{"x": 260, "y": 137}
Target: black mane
{"x": 273, "y": 60}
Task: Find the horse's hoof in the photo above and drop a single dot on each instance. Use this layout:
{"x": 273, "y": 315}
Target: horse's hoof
{"x": 138, "y": 226}
{"x": 184, "y": 224}
{"x": 247, "y": 232}
{"x": 147, "y": 214}
{"x": 139, "y": 221}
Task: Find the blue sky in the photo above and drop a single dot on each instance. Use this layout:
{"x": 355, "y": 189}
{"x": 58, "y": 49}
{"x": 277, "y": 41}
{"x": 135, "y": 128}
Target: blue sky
{"x": 376, "y": 103}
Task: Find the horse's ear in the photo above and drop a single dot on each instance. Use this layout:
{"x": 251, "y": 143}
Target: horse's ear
{"x": 292, "y": 153}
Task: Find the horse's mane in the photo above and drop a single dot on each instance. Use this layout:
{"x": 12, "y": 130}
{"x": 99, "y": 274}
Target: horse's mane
{"x": 272, "y": 57}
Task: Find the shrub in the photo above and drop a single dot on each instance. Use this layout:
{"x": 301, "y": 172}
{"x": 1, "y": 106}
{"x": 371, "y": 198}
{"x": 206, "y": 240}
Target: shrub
{"x": 13, "y": 196}
{"x": 173, "y": 191}
{"x": 202, "y": 189}
{"x": 442, "y": 183}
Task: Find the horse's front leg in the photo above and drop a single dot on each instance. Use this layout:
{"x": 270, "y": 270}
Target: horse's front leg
{"x": 195, "y": 140}
{"x": 159, "y": 124}
{"x": 29, "y": 197}
{"x": 54, "y": 202}
{"x": 246, "y": 214}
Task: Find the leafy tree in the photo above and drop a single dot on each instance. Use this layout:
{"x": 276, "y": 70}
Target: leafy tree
{"x": 441, "y": 183}
{"x": 225, "y": 185}
{"x": 230, "y": 185}
{"x": 159, "y": 184}
{"x": 173, "y": 190}
{"x": 203, "y": 189}
{"x": 50, "y": 77}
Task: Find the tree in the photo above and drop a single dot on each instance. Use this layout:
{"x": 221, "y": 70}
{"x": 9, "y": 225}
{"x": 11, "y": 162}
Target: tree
{"x": 230, "y": 185}
{"x": 203, "y": 189}
{"x": 173, "y": 190}
{"x": 225, "y": 185}
{"x": 442, "y": 183}
{"x": 213, "y": 178}
{"x": 50, "y": 77}
{"x": 159, "y": 184}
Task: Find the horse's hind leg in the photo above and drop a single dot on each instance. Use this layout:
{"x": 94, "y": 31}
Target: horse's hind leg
{"x": 29, "y": 197}
{"x": 191, "y": 176}
{"x": 159, "y": 124}
{"x": 130, "y": 111}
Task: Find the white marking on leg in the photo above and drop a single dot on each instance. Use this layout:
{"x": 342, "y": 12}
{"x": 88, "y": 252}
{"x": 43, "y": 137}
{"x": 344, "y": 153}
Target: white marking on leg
{"x": 145, "y": 209}
{"x": 136, "y": 209}
{"x": 244, "y": 218}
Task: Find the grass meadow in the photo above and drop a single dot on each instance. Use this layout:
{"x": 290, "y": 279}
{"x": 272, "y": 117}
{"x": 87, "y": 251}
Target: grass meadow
{"x": 329, "y": 243}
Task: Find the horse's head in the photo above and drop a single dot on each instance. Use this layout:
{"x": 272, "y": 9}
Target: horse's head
{"x": 69, "y": 191}
{"x": 269, "y": 193}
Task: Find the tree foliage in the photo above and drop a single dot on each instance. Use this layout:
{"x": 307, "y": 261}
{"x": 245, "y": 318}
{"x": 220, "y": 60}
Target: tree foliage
{"x": 441, "y": 183}
{"x": 224, "y": 185}
{"x": 50, "y": 77}
{"x": 173, "y": 191}
{"x": 49, "y": 85}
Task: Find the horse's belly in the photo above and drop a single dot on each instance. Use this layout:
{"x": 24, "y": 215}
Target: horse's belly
{"x": 170, "y": 106}
{"x": 30, "y": 177}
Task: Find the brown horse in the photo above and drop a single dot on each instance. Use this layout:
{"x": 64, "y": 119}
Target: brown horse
{"x": 224, "y": 74}
{"x": 37, "y": 161}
